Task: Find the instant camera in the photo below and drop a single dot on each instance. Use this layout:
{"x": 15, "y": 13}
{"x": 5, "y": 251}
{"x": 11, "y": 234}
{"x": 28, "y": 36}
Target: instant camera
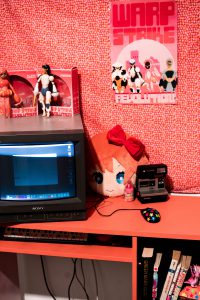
{"x": 150, "y": 183}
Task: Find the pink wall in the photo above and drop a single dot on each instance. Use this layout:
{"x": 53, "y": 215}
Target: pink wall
{"x": 76, "y": 33}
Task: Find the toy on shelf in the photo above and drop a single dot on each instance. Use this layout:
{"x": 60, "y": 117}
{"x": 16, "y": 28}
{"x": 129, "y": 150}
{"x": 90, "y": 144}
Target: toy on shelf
{"x": 194, "y": 280}
{"x": 26, "y": 87}
{"x": 45, "y": 89}
{"x": 129, "y": 191}
{"x": 8, "y": 96}
{"x": 192, "y": 291}
{"x": 114, "y": 158}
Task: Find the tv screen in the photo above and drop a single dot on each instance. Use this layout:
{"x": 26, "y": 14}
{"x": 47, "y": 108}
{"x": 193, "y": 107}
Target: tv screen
{"x": 38, "y": 172}
{"x": 42, "y": 166}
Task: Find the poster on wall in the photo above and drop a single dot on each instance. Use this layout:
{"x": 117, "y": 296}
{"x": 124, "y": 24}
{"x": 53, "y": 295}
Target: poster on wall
{"x": 144, "y": 51}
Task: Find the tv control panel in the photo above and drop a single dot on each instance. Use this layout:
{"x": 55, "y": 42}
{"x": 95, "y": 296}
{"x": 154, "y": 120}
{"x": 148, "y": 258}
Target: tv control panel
{"x": 44, "y": 217}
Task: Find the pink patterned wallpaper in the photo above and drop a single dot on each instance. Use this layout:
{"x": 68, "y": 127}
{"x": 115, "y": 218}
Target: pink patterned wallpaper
{"x": 76, "y": 33}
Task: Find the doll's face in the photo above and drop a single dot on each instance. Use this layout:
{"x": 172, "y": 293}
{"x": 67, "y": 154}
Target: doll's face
{"x": 3, "y": 74}
{"x": 43, "y": 71}
{"x": 109, "y": 183}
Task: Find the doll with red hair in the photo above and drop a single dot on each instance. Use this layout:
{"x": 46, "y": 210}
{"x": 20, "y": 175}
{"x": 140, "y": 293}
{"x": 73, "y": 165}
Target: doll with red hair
{"x": 113, "y": 161}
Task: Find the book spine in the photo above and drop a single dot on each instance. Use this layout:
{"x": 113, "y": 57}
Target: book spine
{"x": 168, "y": 280}
{"x": 155, "y": 285}
{"x": 179, "y": 283}
{"x": 155, "y": 276}
{"x": 146, "y": 274}
{"x": 171, "y": 290}
{"x": 145, "y": 278}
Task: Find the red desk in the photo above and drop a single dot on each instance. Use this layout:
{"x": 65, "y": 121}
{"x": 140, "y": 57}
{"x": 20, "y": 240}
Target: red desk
{"x": 179, "y": 220}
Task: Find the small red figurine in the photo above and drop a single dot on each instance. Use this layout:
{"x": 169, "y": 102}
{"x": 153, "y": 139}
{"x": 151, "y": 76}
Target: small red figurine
{"x": 6, "y": 92}
{"x": 129, "y": 191}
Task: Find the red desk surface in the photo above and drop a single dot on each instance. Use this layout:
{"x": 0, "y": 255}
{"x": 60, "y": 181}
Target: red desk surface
{"x": 180, "y": 219}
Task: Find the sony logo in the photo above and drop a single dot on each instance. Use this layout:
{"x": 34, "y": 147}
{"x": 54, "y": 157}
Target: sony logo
{"x": 37, "y": 208}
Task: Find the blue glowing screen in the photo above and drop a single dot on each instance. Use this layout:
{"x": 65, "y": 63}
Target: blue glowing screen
{"x": 37, "y": 172}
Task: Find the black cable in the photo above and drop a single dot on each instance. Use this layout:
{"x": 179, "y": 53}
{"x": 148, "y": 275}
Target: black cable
{"x": 95, "y": 277}
{"x": 71, "y": 281}
{"x": 79, "y": 281}
{"x": 45, "y": 279}
{"x": 82, "y": 271}
{"x": 82, "y": 284}
{"x": 113, "y": 212}
{"x": 103, "y": 200}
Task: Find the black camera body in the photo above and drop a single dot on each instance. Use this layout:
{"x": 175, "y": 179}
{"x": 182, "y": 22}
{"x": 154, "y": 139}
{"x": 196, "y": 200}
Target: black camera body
{"x": 151, "y": 183}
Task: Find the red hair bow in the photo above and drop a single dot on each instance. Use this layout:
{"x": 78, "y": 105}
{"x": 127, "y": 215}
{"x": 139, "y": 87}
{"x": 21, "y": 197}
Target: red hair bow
{"x": 117, "y": 137}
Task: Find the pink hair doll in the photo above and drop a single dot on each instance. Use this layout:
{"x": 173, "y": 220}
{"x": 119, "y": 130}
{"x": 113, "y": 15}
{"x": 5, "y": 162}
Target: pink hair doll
{"x": 114, "y": 160}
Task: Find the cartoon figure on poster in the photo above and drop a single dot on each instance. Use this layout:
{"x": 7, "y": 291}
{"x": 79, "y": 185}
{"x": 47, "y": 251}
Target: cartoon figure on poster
{"x": 45, "y": 89}
{"x": 113, "y": 164}
{"x": 119, "y": 78}
{"x": 135, "y": 77}
{"x": 151, "y": 75}
{"x": 169, "y": 77}
{"x": 147, "y": 77}
{"x": 8, "y": 96}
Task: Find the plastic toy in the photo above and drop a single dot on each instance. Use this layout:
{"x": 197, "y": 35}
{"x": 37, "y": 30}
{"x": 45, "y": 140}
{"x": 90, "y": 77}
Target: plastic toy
{"x": 114, "y": 158}
{"x": 129, "y": 191}
{"x": 195, "y": 276}
{"x": 192, "y": 291}
{"x": 8, "y": 95}
{"x": 45, "y": 89}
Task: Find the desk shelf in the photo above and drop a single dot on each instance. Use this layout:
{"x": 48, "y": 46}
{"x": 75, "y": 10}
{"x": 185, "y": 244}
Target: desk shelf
{"x": 108, "y": 253}
{"x": 179, "y": 220}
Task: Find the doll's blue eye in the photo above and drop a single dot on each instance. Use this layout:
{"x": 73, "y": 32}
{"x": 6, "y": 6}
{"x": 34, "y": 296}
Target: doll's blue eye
{"x": 98, "y": 177}
{"x": 120, "y": 177}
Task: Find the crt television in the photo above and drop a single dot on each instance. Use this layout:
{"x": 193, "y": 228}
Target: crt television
{"x": 42, "y": 165}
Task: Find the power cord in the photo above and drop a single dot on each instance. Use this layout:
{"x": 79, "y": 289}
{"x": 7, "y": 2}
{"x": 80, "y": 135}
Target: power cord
{"x": 70, "y": 284}
{"x": 79, "y": 281}
{"x": 83, "y": 274}
{"x": 113, "y": 212}
{"x": 102, "y": 200}
{"x": 74, "y": 275}
{"x": 82, "y": 284}
{"x": 45, "y": 279}
{"x": 96, "y": 281}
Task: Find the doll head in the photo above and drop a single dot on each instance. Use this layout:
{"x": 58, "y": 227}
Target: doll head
{"x": 114, "y": 160}
{"x": 46, "y": 69}
{"x": 3, "y": 73}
